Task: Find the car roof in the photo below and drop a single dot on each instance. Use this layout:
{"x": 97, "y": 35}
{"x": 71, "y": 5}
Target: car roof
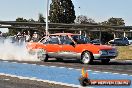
{"x": 64, "y": 34}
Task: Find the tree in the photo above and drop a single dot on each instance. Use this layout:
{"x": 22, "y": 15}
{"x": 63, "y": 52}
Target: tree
{"x": 81, "y": 19}
{"x": 41, "y": 19}
{"x": 31, "y": 20}
{"x": 62, "y": 11}
{"x": 19, "y": 19}
{"x": 114, "y": 22}
{"x": 111, "y": 22}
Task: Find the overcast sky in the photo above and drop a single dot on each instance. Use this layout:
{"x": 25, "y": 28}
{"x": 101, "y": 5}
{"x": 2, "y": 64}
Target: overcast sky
{"x": 99, "y": 10}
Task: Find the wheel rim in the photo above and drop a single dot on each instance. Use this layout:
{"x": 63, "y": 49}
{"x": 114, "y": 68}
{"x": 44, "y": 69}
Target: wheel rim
{"x": 41, "y": 55}
{"x": 86, "y": 58}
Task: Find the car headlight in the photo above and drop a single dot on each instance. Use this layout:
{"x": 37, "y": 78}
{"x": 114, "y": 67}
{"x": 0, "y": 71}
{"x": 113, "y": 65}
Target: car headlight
{"x": 103, "y": 52}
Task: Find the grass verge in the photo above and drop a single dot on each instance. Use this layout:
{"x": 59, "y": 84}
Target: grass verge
{"x": 125, "y": 52}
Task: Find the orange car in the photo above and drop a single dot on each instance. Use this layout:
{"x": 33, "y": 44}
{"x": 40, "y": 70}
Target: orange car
{"x": 69, "y": 46}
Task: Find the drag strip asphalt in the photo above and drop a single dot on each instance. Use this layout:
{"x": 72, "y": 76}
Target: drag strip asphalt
{"x": 60, "y": 75}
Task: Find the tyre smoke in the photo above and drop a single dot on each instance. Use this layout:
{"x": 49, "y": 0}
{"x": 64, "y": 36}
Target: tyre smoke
{"x": 15, "y": 51}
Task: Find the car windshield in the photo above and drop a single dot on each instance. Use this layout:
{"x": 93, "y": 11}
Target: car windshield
{"x": 80, "y": 39}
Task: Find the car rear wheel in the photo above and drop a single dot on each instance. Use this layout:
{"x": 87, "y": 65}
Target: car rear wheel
{"x": 86, "y": 57}
{"x": 105, "y": 61}
{"x": 39, "y": 54}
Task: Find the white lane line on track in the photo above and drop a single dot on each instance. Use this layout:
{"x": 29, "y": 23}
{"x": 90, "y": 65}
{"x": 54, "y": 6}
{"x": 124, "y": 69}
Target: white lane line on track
{"x": 89, "y": 70}
{"x": 116, "y": 73}
{"x": 34, "y": 64}
{"x": 97, "y": 71}
{"x": 73, "y": 68}
{"x": 5, "y": 61}
{"x": 53, "y": 66}
{"x": 41, "y": 65}
{"x": 14, "y": 62}
{"x": 94, "y": 73}
{"x": 24, "y": 63}
{"x": 70, "y": 68}
{"x": 124, "y": 74}
{"x": 60, "y": 67}
{"x": 106, "y": 72}
{"x": 40, "y": 80}
{"x": 77, "y": 69}
{"x": 5, "y": 79}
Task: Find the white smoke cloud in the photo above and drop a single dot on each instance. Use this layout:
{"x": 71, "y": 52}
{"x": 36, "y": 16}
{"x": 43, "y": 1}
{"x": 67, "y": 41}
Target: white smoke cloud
{"x": 13, "y": 51}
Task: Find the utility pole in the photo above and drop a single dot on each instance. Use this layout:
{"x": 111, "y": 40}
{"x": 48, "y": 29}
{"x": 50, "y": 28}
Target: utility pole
{"x": 47, "y": 13}
{"x": 80, "y": 32}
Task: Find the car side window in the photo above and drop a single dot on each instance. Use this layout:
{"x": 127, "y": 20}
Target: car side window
{"x": 117, "y": 40}
{"x": 52, "y": 40}
{"x": 65, "y": 40}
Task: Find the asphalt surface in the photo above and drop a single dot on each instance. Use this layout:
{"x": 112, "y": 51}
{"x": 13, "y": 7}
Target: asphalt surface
{"x": 10, "y": 82}
{"x": 115, "y": 66}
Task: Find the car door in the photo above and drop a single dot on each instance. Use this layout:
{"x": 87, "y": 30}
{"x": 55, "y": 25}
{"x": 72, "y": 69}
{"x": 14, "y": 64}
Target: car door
{"x": 68, "y": 48}
{"x": 52, "y": 46}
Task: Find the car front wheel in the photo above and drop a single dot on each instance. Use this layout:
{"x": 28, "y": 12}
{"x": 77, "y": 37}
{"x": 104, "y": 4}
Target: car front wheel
{"x": 86, "y": 57}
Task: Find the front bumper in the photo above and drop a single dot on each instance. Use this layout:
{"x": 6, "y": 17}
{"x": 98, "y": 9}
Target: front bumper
{"x": 108, "y": 56}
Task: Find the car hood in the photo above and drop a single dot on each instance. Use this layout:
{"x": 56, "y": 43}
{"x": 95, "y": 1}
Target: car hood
{"x": 100, "y": 47}
{"x": 104, "y": 47}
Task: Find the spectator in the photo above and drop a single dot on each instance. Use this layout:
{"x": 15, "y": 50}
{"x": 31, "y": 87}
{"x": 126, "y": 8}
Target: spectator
{"x": 35, "y": 37}
{"x": 27, "y": 37}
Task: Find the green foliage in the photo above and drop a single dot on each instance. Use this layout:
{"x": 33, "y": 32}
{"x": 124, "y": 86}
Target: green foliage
{"x": 62, "y": 11}
{"x": 81, "y": 19}
{"x": 106, "y": 36}
{"x": 31, "y": 20}
{"x": 114, "y": 22}
{"x": 19, "y": 19}
{"x": 12, "y": 32}
{"x": 41, "y": 19}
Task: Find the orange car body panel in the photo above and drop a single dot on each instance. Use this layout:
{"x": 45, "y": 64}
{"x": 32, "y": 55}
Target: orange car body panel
{"x": 79, "y": 48}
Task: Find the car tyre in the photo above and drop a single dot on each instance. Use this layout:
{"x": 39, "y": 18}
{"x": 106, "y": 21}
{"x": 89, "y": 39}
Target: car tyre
{"x": 86, "y": 58}
{"x": 39, "y": 54}
{"x": 59, "y": 59}
{"x": 105, "y": 61}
